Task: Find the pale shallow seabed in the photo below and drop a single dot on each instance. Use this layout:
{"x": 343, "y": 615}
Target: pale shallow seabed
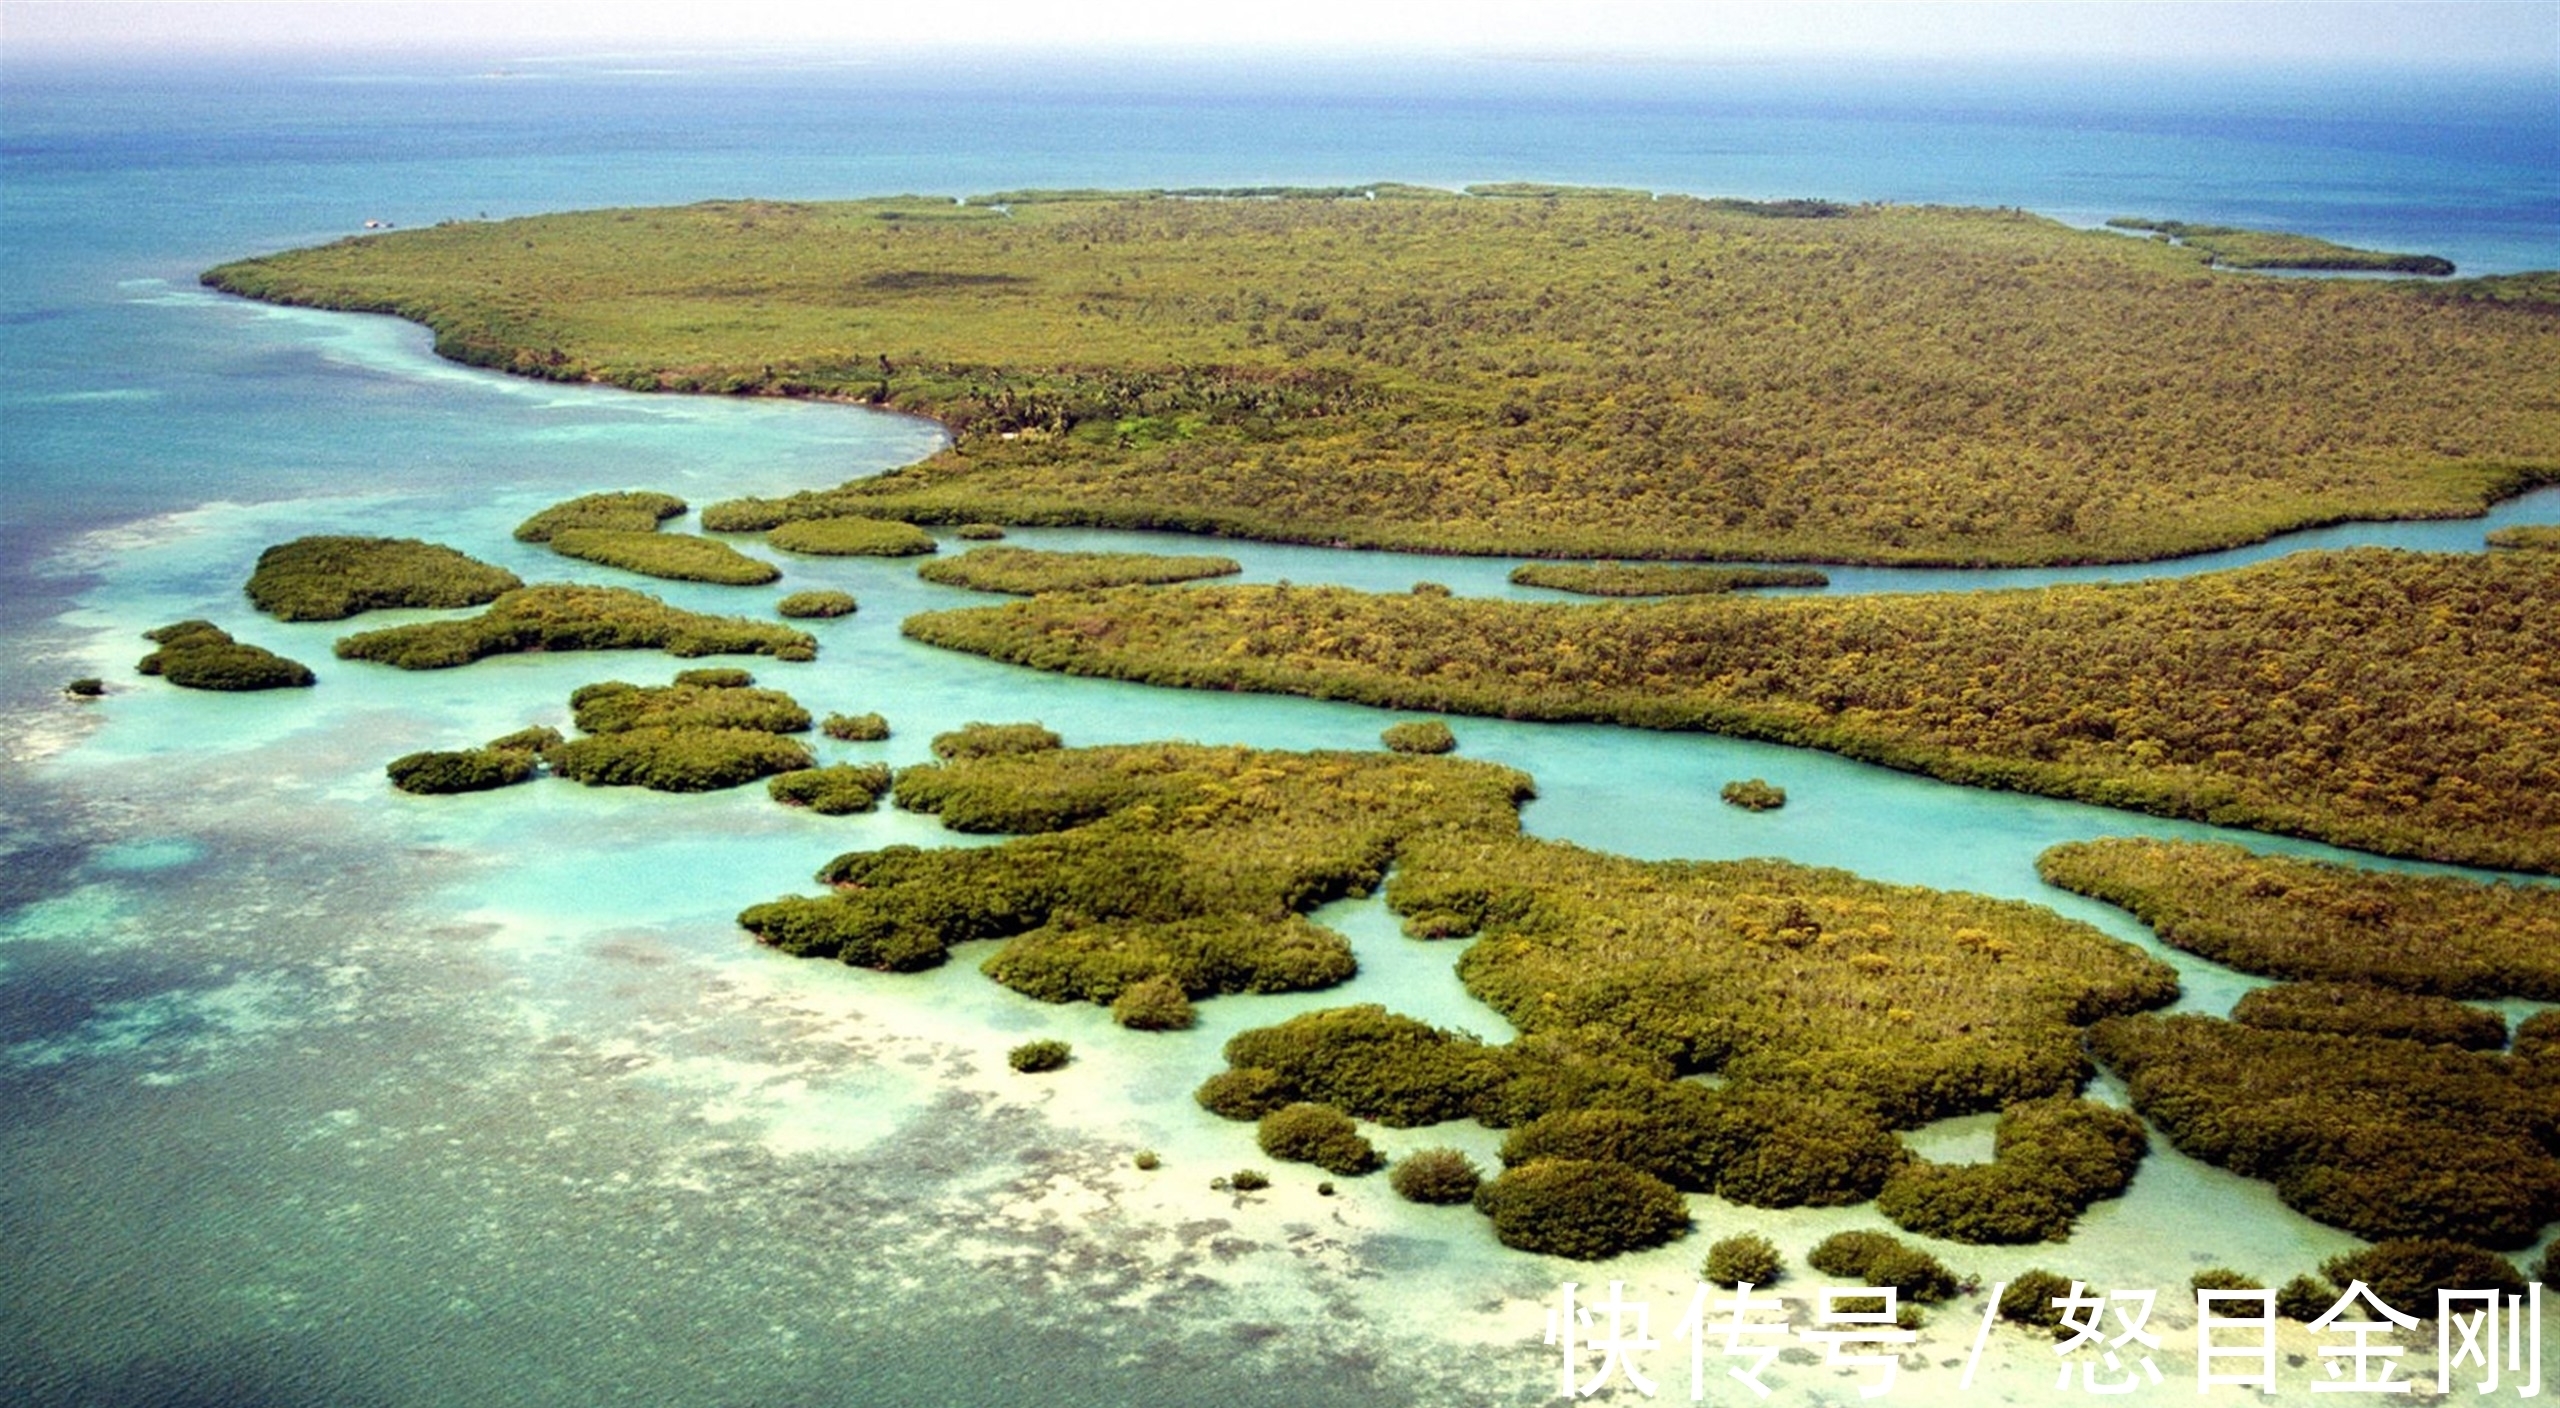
{"x": 319, "y": 1094}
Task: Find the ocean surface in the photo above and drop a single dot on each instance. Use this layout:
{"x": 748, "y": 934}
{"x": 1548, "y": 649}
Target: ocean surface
{"x": 315, "y": 1094}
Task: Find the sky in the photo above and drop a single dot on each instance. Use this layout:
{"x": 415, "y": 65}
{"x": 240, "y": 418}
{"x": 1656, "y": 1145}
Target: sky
{"x": 2446, "y": 32}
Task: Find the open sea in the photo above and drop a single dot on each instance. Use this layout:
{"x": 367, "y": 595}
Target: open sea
{"x": 313, "y": 1094}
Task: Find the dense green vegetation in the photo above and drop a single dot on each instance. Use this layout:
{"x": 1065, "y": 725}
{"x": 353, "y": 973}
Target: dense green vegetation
{"x": 332, "y": 578}
{"x": 2029, "y": 1299}
{"x": 1880, "y": 1259}
{"x": 2527, "y": 538}
{"x": 2385, "y": 1138}
{"x": 1032, "y": 1057}
{"x": 828, "y": 536}
{"x": 501, "y": 762}
{"x": 984, "y": 740}
{"x": 1425, "y": 737}
{"x": 1658, "y": 579}
{"x": 2398, "y": 702}
{"x": 679, "y": 557}
{"x": 1753, "y": 795}
{"x": 838, "y": 789}
{"x": 2230, "y": 248}
{"x": 1319, "y": 1135}
{"x": 1028, "y": 571}
{"x": 856, "y": 728}
{"x": 1155, "y": 1003}
{"x": 559, "y": 617}
{"x": 979, "y": 532}
{"x": 2313, "y": 921}
{"x": 822, "y": 605}
{"x": 2406, "y": 1272}
{"x": 1530, "y": 371}
{"x": 709, "y": 730}
{"x": 86, "y": 687}
{"x": 2359, "y": 1009}
{"x": 1436, "y": 1175}
{"x": 1743, "y": 1257}
{"x": 1589, "y": 1211}
{"x": 628, "y": 511}
{"x": 2052, "y": 1158}
{"x": 202, "y": 655}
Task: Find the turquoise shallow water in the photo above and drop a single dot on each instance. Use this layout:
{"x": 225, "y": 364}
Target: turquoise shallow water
{"x": 318, "y": 1094}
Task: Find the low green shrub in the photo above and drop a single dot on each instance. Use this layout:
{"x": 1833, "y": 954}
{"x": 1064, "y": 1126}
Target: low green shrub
{"x": 1743, "y": 1257}
{"x": 2547, "y": 1270}
{"x": 855, "y": 728}
{"x": 201, "y": 655}
{"x": 1319, "y": 1135}
{"x": 1584, "y": 1210}
{"x": 1153, "y": 1004}
{"x": 1754, "y": 795}
{"x": 1880, "y": 1259}
{"x": 979, "y": 532}
{"x": 2305, "y": 1298}
{"x": 1031, "y": 1057}
{"x": 1244, "y": 1093}
{"x": 1148, "y": 1161}
{"x": 631, "y": 511}
{"x": 817, "y": 605}
{"x": 1422, "y": 736}
{"x": 1248, "y": 1180}
{"x": 838, "y": 789}
{"x": 677, "y": 557}
{"x": 977, "y": 740}
{"x": 2029, "y": 1300}
{"x": 849, "y": 537}
{"x": 2406, "y": 1272}
{"x": 2223, "y": 1278}
{"x": 331, "y": 578}
{"x": 1436, "y": 1175}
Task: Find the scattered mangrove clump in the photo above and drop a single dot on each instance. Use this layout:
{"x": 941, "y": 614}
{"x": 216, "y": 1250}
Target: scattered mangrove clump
{"x": 984, "y": 740}
{"x": 2051, "y": 1159}
{"x": 86, "y": 687}
{"x": 2223, "y": 1278}
{"x": 1148, "y": 1161}
{"x": 1743, "y": 1258}
{"x": 1032, "y": 1057}
{"x": 1588, "y": 1211}
{"x": 855, "y": 728}
{"x": 1155, "y": 1003}
{"x": 2406, "y": 1272}
{"x": 2360, "y": 1009}
{"x": 1419, "y": 736}
{"x": 2305, "y": 1298}
{"x": 2384, "y": 1138}
{"x": 1658, "y": 578}
{"x": 1248, "y": 1180}
{"x": 202, "y": 655}
{"x": 629, "y": 511}
{"x": 1319, "y": 1135}
{"x": 845, "y": 537}
{"x": 677, "y": 557}
{"x": 559, "y": 617}
{"x": 2532, "y": 537}
{"x": 1439, "y": 1175}
{"x": 1029, "y": 571}
{"x": 501, "y": 762}
{"x": 332, "y": 578}
{"x": 709, "y": 730}
{"x": 1588, "y": 374}
{"x": 838, "y": 789}
{"x": 1880, "y": 1259}
{"x": 1753, "y": 795}
{"x": 2338, "y": 695}
{"x": 2548, "y": 1270}
{"x": 2312, "y": 921}
{"x": 816, "y": 605}
{"x": 2030, "y": 1298}
{"x": 2228, "y": 247}
{"x": 979, "y": 532}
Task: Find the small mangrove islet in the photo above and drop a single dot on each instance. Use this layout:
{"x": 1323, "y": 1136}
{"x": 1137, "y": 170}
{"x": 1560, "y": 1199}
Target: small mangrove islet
{"x": 815, "y": 605}
{"x": 202, "y": 655}
{"x": 555, "y": 616}
{"x": 330, "y": 578}
{"x": 621, "y": 529}
{"x": 621, "y": 510}
{"x": 839, "y": 536}
{"x": 1029, "y": 571}
{"x": 1659, "y": 579}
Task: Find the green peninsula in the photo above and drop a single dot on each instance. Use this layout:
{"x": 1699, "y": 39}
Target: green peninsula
{"x": 2396, "y": 702}
{"x": 1525, "y": 370}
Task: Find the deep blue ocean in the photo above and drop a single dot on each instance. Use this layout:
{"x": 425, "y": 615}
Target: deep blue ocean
{"x": 315, "y": 1095}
